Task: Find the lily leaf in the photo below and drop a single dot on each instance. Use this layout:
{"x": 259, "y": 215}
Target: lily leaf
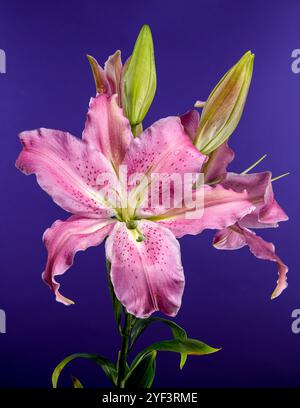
{"x": 142, "y": 375}
{"x": 107, "y": 366}
{"x": 177, "y": 331}
{"x": 186, "y": 346}
{"x": 76, "y": 383}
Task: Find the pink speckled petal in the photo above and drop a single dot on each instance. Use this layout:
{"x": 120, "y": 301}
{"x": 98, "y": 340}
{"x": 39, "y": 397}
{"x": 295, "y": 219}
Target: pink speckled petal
{"x": 190, "y": 122}
{"x": 166, "y": 150}
{"x": 107, "y": 129}
{"x": 147, "y": 276}
{"x": 63, "y": 239}
{"x": 236, "y": 237}
{"x": 67, "y": 169}
{"x": 222, "y": 208}
{"x": 267, "y": 213}
{"x": 216, "y": 167}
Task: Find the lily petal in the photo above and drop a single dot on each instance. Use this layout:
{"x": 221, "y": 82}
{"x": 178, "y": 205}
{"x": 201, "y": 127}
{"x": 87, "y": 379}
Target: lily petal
{"x": 216, "y": 166}
{"x": 113, "y": 69}
{"x": 100, "y": 77}
{"x": 107, "y": 129}
{"x": 190, "y": 122}
{"x": 221, "y": 207}
{"x": 163, "y": 149}
{"x": 259, "y": 187}
{"x": 147, "y": 276}
{"x": 67, "y": 169}
{"x": 236, "y": 237}
{"x": 63, "y": 239}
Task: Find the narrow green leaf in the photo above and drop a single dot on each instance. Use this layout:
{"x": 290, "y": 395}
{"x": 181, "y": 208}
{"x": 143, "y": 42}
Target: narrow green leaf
{"x": 188, "y": 346}
{"x": 177, "y": 331}
{"x": 76, "y": 383}
{"x": 107, "y": 366}
{"x": 142, "y": 375}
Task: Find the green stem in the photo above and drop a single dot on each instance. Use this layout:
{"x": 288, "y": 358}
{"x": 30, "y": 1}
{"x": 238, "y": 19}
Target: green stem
{"x": 137, "y": 129}
{"x": 117, "y": 307}
{"x": 124, "y": 350}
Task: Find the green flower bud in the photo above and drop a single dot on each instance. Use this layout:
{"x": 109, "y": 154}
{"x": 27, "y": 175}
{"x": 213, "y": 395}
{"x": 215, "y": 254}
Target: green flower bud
{"x": 224, "y": 106}
{"x": 139, "y": 79}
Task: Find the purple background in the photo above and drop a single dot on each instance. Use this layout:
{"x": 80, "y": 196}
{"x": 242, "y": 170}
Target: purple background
{"x": 227, "y": 297}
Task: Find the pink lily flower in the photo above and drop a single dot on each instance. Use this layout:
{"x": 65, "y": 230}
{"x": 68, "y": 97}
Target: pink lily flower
{"x": 141, "y": 245}
{"x": 267, "y": 213}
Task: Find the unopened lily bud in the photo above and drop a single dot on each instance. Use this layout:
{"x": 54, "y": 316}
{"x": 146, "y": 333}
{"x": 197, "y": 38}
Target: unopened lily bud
{"x": 139, "y": 79}
{"x": 107, "y": 80}
{"x": 224, "y": 106}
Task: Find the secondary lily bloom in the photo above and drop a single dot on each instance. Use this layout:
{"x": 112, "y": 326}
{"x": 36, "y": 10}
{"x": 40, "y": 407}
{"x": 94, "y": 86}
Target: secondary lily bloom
{"x": 267, "y": 213}
{"x": 146, "y": 273}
